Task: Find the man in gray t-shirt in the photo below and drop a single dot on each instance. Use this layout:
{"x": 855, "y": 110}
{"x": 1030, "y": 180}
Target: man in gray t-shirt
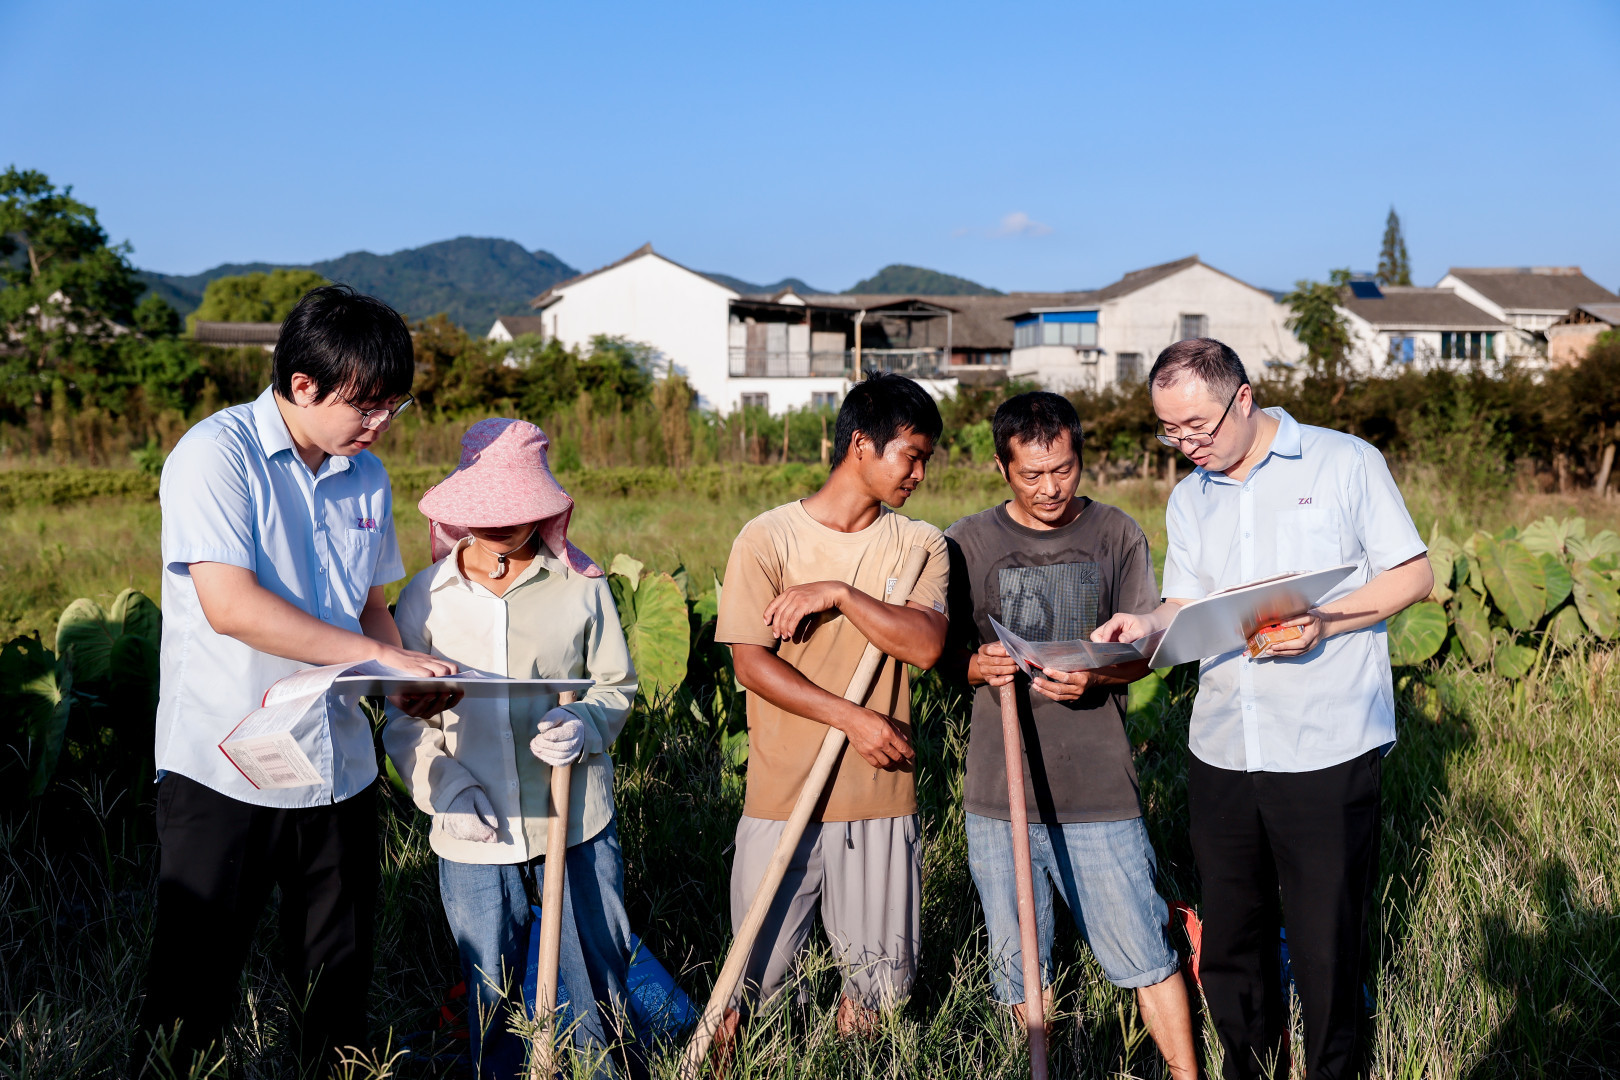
{"x": 1051, "y": 565}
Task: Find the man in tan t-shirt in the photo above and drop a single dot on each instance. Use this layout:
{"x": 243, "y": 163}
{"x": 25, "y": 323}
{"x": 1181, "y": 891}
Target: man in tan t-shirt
{"x": 804, "y": 593}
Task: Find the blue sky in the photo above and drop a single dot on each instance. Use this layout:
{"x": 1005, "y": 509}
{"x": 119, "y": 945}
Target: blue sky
{"x": 1027, "y": 146}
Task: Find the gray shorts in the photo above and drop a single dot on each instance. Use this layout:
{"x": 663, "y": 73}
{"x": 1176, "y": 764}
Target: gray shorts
{"x": 867, "y": 877}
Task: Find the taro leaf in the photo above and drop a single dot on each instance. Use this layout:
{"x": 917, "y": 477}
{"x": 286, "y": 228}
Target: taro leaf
{"x": 1473, "y": 627}
{"x": 1459, "y": 570}
{"x": 1416, "y": 633}
{"x": 1544, "y": 537}
{"x": 627, "y": 567}
{"x": 1442, "y": 559}
{"x": 1566, "y": 627}
{"x": 133, "y": 666}
{"x": 1515, "y": 579}
{"x": 84, "y": 628}
{"x": 135, "y": 613}
{"x": 1476, "y": 576}
{"x": 1512, "y": 661}
{"x": 683, "y": 580}
{"x": 1596, "y": 600}
{"x": 1604, "y": 543}
{"x": 660, "y": 638}
{"x": 38, "y": 689}
{"x": 1559, "y": 581}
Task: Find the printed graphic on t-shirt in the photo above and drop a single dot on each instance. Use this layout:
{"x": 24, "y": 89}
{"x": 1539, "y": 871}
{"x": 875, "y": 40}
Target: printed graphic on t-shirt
{"x": 1057, "y": 602}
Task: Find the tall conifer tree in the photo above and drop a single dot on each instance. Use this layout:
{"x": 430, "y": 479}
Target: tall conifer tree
{"x": 1394, "y": 268}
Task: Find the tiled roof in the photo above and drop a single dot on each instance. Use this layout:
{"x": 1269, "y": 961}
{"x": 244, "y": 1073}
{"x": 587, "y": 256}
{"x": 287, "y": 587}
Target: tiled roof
{"x": 230, "y": 334}
{"x": 1534, "y": 288}
{"x": 522, "y": 324}
{"x": 1409, "y": 307}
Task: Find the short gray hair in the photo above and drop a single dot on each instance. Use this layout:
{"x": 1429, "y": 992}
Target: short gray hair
{"x": 1211, "y": 362}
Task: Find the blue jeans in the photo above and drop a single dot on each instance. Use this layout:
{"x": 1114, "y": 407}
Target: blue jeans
{"x": 1105, "y": 870}
{"x": 488, "y": 910}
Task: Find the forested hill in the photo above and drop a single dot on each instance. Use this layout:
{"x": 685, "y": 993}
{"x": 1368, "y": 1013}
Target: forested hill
{"x": 472, "y": 279}
{"x": 916, "y": 280}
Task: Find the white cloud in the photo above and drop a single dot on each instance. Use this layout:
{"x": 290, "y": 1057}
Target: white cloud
{"x": 1019, "y": 223}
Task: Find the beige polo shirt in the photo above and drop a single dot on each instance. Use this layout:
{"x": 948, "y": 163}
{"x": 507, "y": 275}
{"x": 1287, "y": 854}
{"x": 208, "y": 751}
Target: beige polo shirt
{"x": 552, "y": 623}
{"x": 786, "y": 547}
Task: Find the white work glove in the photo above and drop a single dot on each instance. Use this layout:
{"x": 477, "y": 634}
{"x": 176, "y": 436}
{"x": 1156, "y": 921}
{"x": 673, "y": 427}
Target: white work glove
{"x": 470, "y": 817}
{"x": 561, "y": 738}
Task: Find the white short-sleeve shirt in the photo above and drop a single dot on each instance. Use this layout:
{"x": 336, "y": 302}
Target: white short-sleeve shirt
{"x": 234, "y": 491}
{"x": 1319, "y": 499}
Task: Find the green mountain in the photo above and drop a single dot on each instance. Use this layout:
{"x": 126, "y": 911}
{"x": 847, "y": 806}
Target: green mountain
{"x": 900, "y": 278}
{"x": 748, "y": 288}
{"x": 471, "y": 279}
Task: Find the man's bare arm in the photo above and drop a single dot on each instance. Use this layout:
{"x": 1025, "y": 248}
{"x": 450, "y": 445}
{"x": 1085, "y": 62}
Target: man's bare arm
{"x": 237, "y": 606}
{"x": 873, "y": 735}
{"x": 1392, "y": 591}
{"x": 912, "y": 633}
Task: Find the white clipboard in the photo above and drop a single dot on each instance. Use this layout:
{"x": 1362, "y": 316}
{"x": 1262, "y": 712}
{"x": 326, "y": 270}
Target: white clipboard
{"x": 1224, "y": 621}
{"x": 469, "y": 683}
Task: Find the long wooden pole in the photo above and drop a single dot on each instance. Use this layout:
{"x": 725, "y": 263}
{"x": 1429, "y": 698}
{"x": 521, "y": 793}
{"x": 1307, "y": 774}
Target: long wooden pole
{"x": 541, "y": 1065}
{"x": 832, "y": 745}
{"x": 1012, "y": 741}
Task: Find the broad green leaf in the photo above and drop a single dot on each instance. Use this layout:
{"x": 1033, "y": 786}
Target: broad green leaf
{"x": 627, "y": 567}
{"x": 134, "y": 613}
{"x": 1596, "y": 600}
{"x": 1559, "y": 582}
{"x": 624, "y": 598}
{"x": 1604, "y": 543}
{"x": 1544, "y": 537}
{"x": 1476, "y": 576}
{"x": 1566, "y": 627}
{"x": 1473, "y": 627}
{"x": 84, "y": 628}
{"x": 661, "y": 636}
{"x": 1515, "y": 579}
{"x": 1442, "y": 559}
{"x": 1417, "y": 633}
{"x": 683, "y": 580}
{"x": 133, "y": 668}
{"x": 37, "y": 687}
{"x": 1574, "y": 527}
{"x": 1512, "y": 661}
{"x": 1147, "y": 698}
{"x": 1459, "y": 570}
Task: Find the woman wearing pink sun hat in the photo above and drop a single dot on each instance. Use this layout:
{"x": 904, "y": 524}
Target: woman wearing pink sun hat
{"x": 508, "y": 595}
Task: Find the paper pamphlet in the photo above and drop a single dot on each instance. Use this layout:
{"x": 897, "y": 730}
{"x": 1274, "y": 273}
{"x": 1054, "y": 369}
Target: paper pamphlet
{"x": 272, "y": 743}
{"x": 1224, "y": 621}
{"x": 1078, "y": 655}
{"x": 469, "y": 683}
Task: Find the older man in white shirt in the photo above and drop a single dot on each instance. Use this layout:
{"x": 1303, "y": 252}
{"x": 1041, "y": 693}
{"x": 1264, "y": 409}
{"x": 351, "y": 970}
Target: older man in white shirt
{"x": 1283, "y": 785}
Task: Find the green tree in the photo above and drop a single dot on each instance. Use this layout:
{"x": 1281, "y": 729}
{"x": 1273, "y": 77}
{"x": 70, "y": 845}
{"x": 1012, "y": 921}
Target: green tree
{"x": 1315, "y": 320}
{"x": 1394, "y": 268}
{"x": 155, "y": 318}
{"x": 65, "y": 293}
{"x": 255, "y": 297}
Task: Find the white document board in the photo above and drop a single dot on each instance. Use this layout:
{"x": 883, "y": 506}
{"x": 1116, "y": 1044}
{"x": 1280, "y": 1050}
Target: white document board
{"x": 1224, "y": 621}
{"x": 469, "y": 683}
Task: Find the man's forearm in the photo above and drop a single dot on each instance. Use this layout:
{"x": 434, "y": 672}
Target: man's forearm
{"x": 237, "y": 606}
{"x": 913, "y": 635}
{"x": 379, "y": 625}
{"x": 1385, "y": 595}
{"x": 780, "y": 683}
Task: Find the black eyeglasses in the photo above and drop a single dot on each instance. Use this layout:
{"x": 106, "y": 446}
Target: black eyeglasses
{"x": 1199, "y": 439}
{"x": 373, "y": 419}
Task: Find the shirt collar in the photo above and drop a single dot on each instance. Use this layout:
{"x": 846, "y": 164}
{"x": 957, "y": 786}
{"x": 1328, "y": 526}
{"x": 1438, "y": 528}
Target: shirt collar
{"x": 274, "y": 436}
{"x": 1285, "y": 443}
{"x": 450, "y": 574}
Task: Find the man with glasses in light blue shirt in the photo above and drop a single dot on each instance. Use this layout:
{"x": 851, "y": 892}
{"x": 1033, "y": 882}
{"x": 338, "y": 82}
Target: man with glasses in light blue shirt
{"x": 278, "y": 537}
{"x": 1283, "y": 784}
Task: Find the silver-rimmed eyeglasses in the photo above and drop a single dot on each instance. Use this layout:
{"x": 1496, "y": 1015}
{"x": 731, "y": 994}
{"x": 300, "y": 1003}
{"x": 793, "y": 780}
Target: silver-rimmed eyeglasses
{"x": 374, "y": 419}
{"x": 1200, "y": 438}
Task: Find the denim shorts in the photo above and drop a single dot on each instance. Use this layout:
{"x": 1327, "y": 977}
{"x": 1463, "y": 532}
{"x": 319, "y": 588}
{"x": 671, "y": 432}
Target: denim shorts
{"x": 1105, "y": 870}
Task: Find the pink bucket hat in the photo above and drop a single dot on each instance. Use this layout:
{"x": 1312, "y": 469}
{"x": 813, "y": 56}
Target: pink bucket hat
{"x": 503, "y": 480}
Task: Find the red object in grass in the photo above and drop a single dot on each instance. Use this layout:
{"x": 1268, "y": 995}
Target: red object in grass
{"x": 1195, "y": 935}
{"x": 453, "y": 1012}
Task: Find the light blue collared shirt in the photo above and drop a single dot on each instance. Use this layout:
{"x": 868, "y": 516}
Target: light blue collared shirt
{"x": 1319, "y": 499}
{"x": 234, "y": 491}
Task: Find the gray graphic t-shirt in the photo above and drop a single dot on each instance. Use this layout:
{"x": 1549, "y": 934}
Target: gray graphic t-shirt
{"x": 1050, "y": 585}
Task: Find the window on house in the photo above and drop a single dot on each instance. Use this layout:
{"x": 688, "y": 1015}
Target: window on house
{"x": 1402, "y": 347}
{"x": 1194, "y": 326}
{"x": 1025, "y": 334}
{"x": 757, "y": 401}
{"x": 823, "y": 399}
{"x": 1474, "y": 345}
{"x": 1128, "y": 368}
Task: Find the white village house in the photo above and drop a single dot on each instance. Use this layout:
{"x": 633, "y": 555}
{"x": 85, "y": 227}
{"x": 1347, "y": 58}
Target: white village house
{"x": 1530, "y": 299}
{"x": 786, "y": 351}
{"x": 1393, "y": 325}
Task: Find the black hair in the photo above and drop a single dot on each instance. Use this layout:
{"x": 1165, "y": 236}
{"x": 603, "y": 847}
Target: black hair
{"x": 882, "y": 406}
{"x": 349, "y": 343}
{"x": 1038, "y": 418}
{"x": 1211, "y": 362}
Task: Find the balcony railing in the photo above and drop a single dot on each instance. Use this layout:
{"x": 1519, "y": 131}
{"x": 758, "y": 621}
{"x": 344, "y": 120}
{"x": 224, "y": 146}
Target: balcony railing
{"x": 771, "y": 363}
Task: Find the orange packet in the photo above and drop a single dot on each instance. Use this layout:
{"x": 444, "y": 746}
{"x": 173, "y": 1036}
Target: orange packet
{"x": 1267, "y": 636}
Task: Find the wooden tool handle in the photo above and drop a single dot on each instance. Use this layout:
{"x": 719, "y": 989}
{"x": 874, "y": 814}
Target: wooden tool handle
{"x": 1012, "y": 741}
{"x": 832, "y": 745}
{"x": 551, "y": 912}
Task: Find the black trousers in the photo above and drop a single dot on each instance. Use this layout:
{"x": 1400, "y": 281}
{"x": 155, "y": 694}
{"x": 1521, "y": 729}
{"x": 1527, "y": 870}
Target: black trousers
{"x": 219, "y": 859}
{"x": 1294, "y": 849}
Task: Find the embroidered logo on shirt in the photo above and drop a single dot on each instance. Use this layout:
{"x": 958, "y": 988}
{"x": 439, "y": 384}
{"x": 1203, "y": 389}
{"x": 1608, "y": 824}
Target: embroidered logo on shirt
{"x": 1306, "y": 501}
{"x": 365, "y": 523}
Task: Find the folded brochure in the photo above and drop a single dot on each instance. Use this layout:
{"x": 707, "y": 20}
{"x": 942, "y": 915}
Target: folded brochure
{"x": 1219, "y": 623}
{"x": 272, "y": 746}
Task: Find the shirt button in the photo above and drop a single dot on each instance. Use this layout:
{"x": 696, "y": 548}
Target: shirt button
{"x": 513, "y": 784}
{"x": 1245, "y": 536}
{"x": 323, "y": 569}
